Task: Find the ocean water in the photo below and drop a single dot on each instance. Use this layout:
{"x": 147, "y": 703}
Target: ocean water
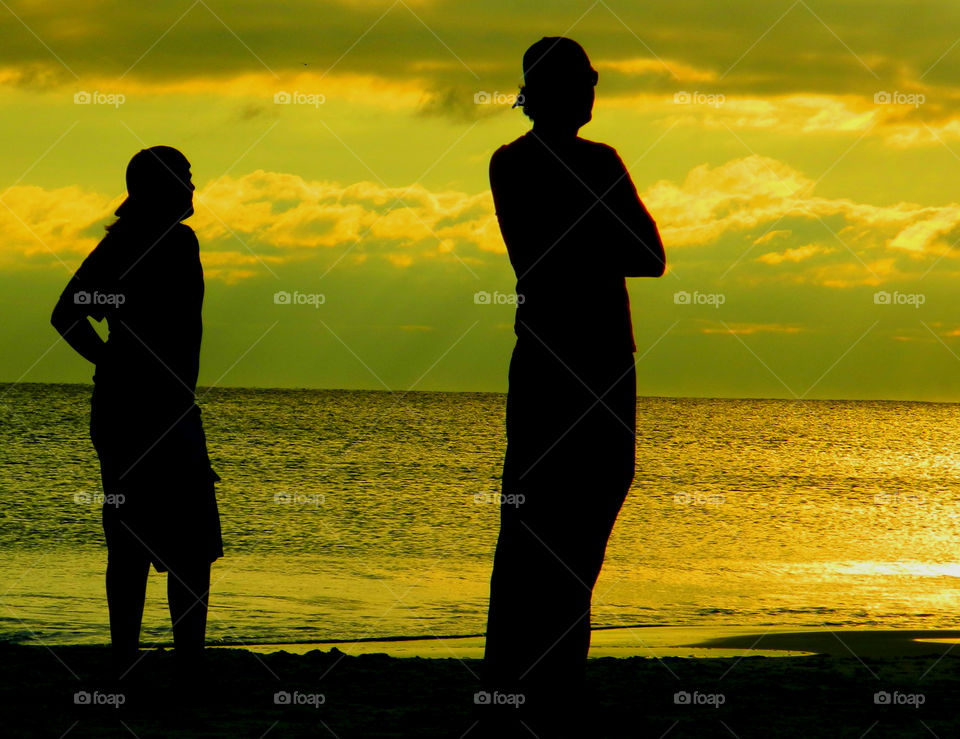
{"x": 351, "y": 515}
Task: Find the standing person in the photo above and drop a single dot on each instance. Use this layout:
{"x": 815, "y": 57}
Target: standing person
{"x": 146, "y": 279}
{"x": 574, "y": 228}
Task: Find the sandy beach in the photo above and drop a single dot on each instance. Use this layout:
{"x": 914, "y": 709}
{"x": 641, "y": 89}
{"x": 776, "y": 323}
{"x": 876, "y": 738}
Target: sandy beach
{"x": 690, "y": 684}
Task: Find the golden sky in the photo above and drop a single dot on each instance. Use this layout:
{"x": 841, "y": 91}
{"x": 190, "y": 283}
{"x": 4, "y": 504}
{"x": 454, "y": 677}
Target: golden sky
{"x": 799, "y": 158}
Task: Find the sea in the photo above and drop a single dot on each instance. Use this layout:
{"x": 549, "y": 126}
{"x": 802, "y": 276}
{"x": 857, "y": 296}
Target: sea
{"x": 353, "y": 515}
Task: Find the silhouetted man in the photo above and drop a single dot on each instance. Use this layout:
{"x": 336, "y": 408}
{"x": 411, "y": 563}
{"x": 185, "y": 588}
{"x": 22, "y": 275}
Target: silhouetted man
{"x": 574, "y": 228}
{"x": 145, "y": 278}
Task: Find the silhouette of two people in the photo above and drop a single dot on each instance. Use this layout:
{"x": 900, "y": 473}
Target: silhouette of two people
{"x": 574, "y": 228}
{"x": 146, "y": 280}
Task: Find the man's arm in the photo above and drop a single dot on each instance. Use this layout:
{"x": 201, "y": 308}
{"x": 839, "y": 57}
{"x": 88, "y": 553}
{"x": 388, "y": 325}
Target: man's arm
{"x": 501, "y": 187}
{"x": 641, "y": 250}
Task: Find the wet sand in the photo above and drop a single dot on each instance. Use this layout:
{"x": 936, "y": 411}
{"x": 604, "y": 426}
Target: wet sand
{"x": 854, "y": 684}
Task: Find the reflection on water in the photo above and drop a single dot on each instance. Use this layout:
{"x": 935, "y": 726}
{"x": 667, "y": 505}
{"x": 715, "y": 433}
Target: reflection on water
{"x": 352, "y": 514}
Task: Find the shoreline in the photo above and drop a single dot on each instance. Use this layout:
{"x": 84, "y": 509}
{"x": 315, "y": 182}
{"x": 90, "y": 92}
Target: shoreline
{"x": 636, "y": 640}
{"x": 676, "y": 641}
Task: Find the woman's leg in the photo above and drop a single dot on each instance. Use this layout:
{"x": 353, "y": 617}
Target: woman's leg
{"x": 126, "y": 592}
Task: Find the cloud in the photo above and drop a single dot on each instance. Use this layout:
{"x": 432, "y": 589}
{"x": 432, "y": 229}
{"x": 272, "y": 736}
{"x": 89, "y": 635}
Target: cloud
{"x": 735, "y": 196}
{"x": 289, "y": 216}
{"x": 746, "y": 329}
{"x": 820, "y": 72}
{"x": 793, "y": 255}
{"x": 650, "y": 66}
{"x": 838, "y": 241}
{"x": 40, "y": 226}
{"x": 250, "y": 223}
{"x": 925, "y": 234}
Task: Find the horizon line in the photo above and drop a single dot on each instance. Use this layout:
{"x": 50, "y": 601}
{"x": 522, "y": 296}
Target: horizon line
{"x": 305, "y": 388}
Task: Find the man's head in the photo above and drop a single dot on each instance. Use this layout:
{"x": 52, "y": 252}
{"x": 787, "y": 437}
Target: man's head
{"x": 558, "y": 83}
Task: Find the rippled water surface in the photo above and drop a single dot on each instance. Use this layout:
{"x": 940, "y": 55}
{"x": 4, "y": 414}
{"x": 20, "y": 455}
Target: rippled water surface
{"x": 360, "y": 514}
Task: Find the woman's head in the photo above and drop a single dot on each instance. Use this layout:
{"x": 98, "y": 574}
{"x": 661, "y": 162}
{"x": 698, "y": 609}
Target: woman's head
{"x": 158, "y": 186}
{"x": 558, "y": 83}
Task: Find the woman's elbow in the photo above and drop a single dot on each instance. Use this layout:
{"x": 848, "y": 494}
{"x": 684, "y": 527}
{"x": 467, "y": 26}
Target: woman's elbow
{"x": 61, "y": 319}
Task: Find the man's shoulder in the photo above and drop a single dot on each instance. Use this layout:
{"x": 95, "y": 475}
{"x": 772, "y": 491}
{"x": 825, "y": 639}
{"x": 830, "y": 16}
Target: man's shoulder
{"x": 597, "y": 147}
{"x": 511, "y": 150}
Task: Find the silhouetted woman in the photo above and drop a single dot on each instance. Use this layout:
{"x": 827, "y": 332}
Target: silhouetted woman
{"x": 574, "y": 229}
{"x": 145, "y": 278}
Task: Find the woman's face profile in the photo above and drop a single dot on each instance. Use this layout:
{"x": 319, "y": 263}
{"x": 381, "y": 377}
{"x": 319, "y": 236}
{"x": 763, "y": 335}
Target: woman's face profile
{"x": 159, "y": 181}
{"x": 175, "y": 190}
{"x": 186, "y": 180}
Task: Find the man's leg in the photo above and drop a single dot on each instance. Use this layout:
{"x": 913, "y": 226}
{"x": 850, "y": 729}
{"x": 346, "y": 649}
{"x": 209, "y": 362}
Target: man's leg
{"x": 188, "y": 592}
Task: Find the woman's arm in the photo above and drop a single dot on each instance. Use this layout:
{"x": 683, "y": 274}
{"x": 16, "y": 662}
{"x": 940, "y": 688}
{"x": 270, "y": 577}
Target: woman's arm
{"x": 69, "y": 318}
{"x": 641, "y": 250}
{"x": 77, "y": 301}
